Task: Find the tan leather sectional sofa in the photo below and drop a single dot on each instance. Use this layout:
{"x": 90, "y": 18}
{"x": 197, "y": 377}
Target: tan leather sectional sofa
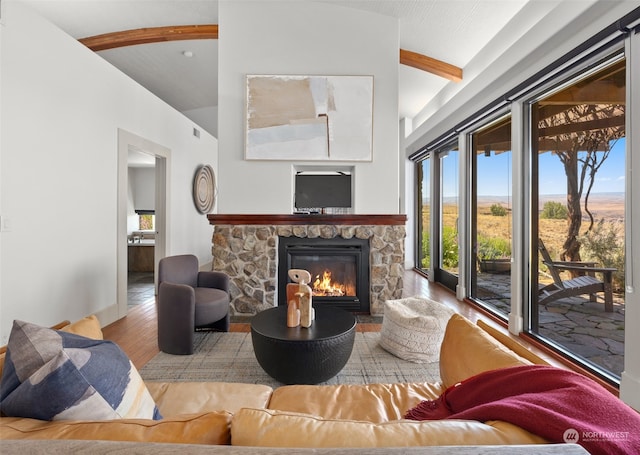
{"x": 298, "y": 416}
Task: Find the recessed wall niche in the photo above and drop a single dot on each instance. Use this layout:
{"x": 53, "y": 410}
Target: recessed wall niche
{"x": 323, "y": 189}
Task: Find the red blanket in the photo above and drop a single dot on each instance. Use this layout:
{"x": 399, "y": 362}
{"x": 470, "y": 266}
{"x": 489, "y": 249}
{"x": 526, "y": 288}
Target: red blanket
{"x": 558, "y": 405}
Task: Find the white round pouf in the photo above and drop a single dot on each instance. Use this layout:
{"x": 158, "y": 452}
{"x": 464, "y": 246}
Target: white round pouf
{"x": 413, "y": 328}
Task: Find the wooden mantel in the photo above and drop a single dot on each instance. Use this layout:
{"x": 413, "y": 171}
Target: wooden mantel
{"x": 352, "y": 220}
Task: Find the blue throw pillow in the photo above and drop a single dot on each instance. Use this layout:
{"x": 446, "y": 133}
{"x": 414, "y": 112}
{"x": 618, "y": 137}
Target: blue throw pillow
{"x": 54, "y": 375}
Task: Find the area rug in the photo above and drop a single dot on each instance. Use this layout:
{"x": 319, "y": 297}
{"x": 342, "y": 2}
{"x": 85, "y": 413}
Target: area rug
{"x": 229, "y": 357}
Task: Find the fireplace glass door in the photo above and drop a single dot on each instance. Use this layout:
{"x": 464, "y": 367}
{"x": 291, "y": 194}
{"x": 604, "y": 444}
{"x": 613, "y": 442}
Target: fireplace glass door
{"x": 339, "y": 270}
{"x": 332, "y": 274}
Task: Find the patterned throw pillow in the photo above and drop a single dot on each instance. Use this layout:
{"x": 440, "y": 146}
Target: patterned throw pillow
{"x": 55, "y": 375}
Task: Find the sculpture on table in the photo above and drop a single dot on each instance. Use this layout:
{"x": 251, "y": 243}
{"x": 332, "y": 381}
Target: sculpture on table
{"x": 299, "y": 297}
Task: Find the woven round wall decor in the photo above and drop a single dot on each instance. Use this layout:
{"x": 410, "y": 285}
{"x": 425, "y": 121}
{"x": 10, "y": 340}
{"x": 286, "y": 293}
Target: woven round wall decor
{"x": 204, "y": 184}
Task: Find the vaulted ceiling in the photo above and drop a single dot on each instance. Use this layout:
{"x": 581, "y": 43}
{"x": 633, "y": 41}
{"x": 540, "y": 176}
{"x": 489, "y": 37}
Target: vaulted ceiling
{"x": 451, "y": 31}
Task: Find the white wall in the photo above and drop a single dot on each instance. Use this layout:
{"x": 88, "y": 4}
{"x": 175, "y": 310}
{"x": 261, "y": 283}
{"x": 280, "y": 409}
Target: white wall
{"x": 207, "y": 117}
{"x": 143, "y": 182}
{"x": 284, "y": 37}
{"x": 60, "y": 110}
{"x": 140, "y": 194}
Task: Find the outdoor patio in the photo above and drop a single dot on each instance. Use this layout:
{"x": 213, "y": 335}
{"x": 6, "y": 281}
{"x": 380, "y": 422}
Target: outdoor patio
{"x": 576, "y": 323}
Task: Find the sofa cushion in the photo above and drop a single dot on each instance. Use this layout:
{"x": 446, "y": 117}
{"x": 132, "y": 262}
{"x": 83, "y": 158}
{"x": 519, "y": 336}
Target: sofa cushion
{"x": 367, "y": 402}
{"x": 206, "y": 428}
{"x": 87, "y": 327}
{"x": 270, "y": 428}
{"x": 174, "y": 398}
{"x": 55, "y": 375}
{"x": 511, "y": 343}
{"x": 467, "y": 350}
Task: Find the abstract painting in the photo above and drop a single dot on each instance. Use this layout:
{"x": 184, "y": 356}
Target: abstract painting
{"x": 309, "y": 118}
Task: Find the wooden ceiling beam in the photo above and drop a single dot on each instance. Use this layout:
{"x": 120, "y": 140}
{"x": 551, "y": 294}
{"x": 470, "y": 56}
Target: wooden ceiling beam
{"x": 210, "y": 31}
{"x": 430, "y": 65}
{"x": 150, "y": 35}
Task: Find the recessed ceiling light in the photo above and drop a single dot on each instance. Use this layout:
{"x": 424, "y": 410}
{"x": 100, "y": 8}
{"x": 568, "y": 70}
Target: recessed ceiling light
{"x": 187, "y": 53}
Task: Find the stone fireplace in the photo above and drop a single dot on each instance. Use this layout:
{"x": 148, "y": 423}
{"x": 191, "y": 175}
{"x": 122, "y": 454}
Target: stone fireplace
{"x": 246, "y": 247}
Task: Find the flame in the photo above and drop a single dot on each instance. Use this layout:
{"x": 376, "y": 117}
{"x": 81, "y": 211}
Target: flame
{"x": 324, "y": 286}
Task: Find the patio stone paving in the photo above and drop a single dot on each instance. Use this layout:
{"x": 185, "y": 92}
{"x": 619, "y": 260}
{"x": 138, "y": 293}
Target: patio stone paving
{"x": 575, "y": 323}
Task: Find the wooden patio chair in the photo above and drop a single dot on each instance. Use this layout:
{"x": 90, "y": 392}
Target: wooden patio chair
{"x": 585, "y": 283}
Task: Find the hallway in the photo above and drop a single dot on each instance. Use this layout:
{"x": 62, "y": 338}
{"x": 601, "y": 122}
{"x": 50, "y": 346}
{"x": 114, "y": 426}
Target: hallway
{"x": 140, "y": 288}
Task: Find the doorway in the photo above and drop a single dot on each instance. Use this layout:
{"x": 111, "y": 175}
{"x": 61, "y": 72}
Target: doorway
{"x": 141, "y": 229}
{"x": 134, "y": 148}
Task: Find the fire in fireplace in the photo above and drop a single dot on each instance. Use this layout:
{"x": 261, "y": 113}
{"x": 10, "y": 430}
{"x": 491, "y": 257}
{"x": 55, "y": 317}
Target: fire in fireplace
{"x": 339, "y": 270}
{"x": 327, "y": 286}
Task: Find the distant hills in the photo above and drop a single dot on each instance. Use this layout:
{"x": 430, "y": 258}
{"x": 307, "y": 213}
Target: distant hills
{"x": 594, "y": 199}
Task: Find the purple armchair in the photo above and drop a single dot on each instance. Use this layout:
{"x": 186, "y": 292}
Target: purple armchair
{"x": 189, "y": 300}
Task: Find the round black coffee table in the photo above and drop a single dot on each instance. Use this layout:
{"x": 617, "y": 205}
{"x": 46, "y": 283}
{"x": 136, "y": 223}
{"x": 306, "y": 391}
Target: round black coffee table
{"x": 299, "y": 355}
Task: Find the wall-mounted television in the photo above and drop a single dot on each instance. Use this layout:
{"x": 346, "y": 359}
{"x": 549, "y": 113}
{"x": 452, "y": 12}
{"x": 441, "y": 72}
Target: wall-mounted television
{"x": 319, "y": 191}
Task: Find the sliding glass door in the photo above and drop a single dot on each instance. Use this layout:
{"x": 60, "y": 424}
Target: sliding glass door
{"x": 423, "y": 173}
{"x": 491, "y": 220}
{"x": 578, "y": 216}
{"x": 448, "y": 215}
{"x": 438, "y": 214}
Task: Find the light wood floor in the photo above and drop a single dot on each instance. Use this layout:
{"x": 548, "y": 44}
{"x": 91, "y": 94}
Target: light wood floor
{"x": 137, "y": 333}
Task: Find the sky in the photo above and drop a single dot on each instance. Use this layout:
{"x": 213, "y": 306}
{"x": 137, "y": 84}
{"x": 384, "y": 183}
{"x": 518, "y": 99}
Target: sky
{"x": 493, "y": 174}
{"x": 609, "y": 178}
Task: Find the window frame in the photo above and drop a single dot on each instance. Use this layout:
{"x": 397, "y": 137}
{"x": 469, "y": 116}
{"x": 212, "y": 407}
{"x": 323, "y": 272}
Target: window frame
{"x": 591, "y": 64}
